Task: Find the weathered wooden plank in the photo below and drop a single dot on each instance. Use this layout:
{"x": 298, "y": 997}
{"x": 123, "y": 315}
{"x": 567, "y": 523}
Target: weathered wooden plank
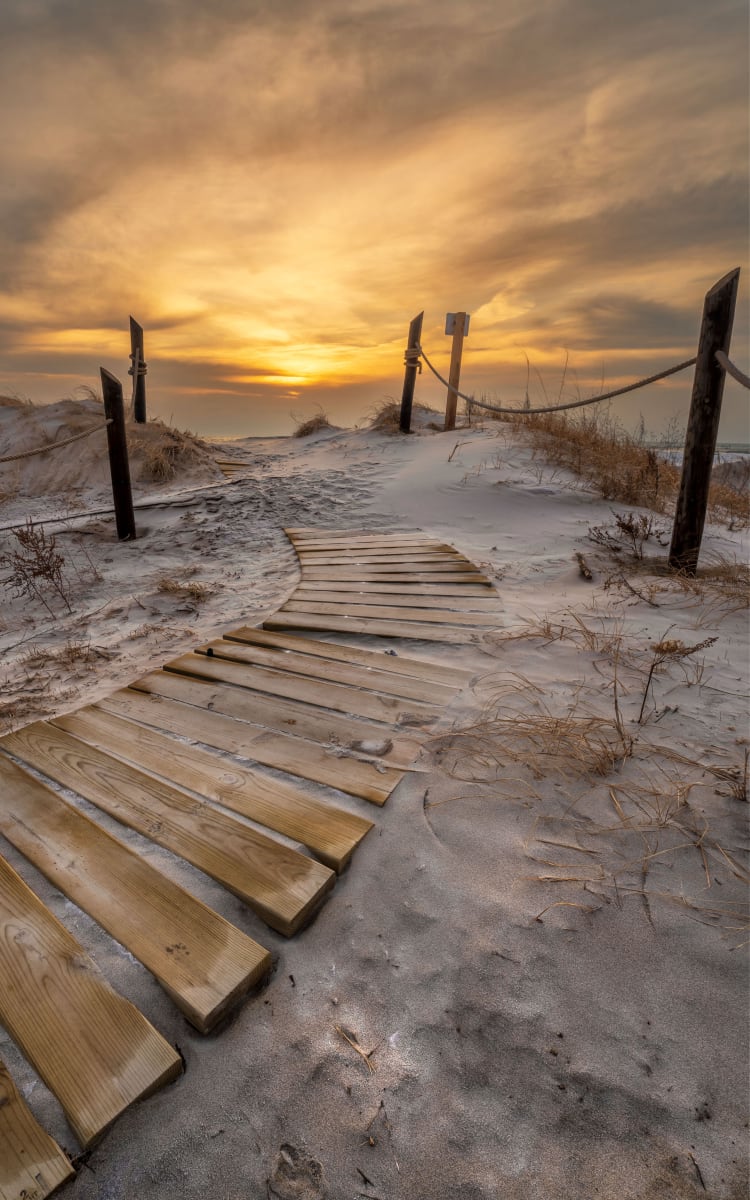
{"x": 404, "y": 568}
{"x": 372, "y": 587}
{"x": 380, "y": 545}
{"x": 309, "y": 558}
{"x": 442, "y": 616}
{"x": 400, "y": 597}
{"x": 379, "y": 679}
{"x": 294, "y": 755}
{"x": 295, "y": 717}
{"x": 31, "y": 1162}
{"x": 282, "y": 886}
{"x": 397, "y": 629}
{"x": 422, "y": 668}
{"x": 331, "y": 575}
{"x": 92, "y": 1048}
{"x": 340, "y": 698}
{"x": 331, "y": 833}
{"x": 200, "y": 960}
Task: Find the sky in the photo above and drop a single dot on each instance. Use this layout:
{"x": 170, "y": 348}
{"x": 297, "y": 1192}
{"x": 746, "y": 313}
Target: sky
{"x": 274, "y": 188}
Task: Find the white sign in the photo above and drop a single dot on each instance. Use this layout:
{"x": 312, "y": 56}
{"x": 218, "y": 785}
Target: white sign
{"x": 450, "y": 323}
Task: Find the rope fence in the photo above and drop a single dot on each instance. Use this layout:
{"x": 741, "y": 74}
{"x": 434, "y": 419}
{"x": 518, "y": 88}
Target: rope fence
{"x": 414, "y": 354}
{"x": 712, "y": 365}
{"x": 55, "y": 445}
{"x": 730, "y": 369}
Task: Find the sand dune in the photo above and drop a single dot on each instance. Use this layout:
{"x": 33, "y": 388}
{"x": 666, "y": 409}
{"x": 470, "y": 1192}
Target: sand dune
{"x": 542, "y": 944}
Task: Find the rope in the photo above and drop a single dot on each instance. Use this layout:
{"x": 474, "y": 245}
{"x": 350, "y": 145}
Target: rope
{"x": 730, "y": 369}
{"x": 516, "y": 412}
{"x": 55, "y": 445}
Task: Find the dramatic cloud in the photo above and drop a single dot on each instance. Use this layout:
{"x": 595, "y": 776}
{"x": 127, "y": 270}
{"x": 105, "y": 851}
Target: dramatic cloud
{"x": 276, "y": 188}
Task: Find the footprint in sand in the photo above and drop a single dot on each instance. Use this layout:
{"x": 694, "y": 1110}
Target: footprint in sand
{"x": 297, "y": 1176}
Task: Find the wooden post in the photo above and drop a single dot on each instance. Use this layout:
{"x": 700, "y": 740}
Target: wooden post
{"x": 114, "y": 410}
{"x": 455, "y": 371}
{"x": 703, "y": 424}
{"x": 410, "y": 374}
{"x": 138, "y": 371}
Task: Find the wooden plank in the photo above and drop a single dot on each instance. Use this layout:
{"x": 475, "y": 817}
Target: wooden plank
{"x": 399, "y": 597}
{"x": 377, "y": 678}
{"x": 331, "y": 833}
{"x": 282, "y": 886}
{"x": 200, "y": 960}
{"x": 443, "y": 616}
{"x": 297, "y": 757}
{"x": 332, "y": 576}
{"x": 407, "y": 568}
{"x": 371, "y": 587}
{"x": 31, "y": 1162}
{"x": 293, "y": 717}
{"x": 422, "y": 668}
{"x": 380, "y": 545}
{"x": 397, "y": 629}
{"x": 358, "y": 558}
{"x": 388, "y": 709}
{"x": 92, "y": 1048}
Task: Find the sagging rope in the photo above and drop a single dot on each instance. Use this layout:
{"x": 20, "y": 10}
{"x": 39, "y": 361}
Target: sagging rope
{"x": 730, "y": 369}
{"x": 412, "y": 359}
{"x": 56, "y": 445}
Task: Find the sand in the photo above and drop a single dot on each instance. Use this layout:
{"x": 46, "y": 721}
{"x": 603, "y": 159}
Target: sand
{"x": 541, "y": 947}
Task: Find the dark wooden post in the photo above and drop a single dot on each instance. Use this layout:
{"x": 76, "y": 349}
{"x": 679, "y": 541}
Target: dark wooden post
{"x": 459, "y": 329}
{"x": 410, "y": 374}
{"x": 138, "y": 371}
{"x": 114, "y": 411}
{"x": 703, "y": 424}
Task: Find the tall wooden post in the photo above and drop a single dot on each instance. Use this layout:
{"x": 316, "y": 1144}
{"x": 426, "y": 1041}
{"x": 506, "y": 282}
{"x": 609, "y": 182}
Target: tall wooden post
{"x": 703, "y": 424}
{"x": 459, "y": 329}
{"x": 114, "y": 411}
{"x": 410, "y": 374}
{"x": 138, "y": 371}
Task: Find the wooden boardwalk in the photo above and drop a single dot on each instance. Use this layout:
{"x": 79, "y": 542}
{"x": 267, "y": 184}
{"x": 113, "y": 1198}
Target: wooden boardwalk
{"x": 326, "y": 716}
{"x": 389, "y": 585}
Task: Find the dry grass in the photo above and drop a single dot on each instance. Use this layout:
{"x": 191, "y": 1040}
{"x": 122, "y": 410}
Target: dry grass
{"x": 620, "y": 466}
{"x": 386, "y": 416}
{"x": 312, "y": 425}
{"x": 164, "y": 450}
{"x": 191, "y": 590}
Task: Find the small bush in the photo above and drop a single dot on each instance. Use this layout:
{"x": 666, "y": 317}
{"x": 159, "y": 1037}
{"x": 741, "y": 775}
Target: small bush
{"x": 313, "y": 425}
{"x": 386, "y": 416}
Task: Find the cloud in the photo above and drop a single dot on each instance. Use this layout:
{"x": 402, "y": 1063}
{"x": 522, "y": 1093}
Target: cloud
{"x": 279, "y": 187}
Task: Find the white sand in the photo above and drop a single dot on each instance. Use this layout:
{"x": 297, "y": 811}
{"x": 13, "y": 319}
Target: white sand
{"x": 598, "y": 1051}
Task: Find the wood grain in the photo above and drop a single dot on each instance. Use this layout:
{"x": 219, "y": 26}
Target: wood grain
{"x": 421, "y": 668}
{"x": 371, "y": 586}
{"x": 301, "y": 720}
{"x": 396, "y": 629}
{"x": 316, "y": 558}
{"x": 31, "y": 1162}
{"x": 331, "y": 833}
{"x": 201, "y": 961}
{"x": 378, "y": 679}
{"x": 443, "y": 616}
{"x": 355, "y": 701}
{"x": 372, "y": 575}
{"x": 92, "y": 1048}
{"x": 400, "y": 596}
{"x": 286, "y": 753}
{"x": 282, "y": 886}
